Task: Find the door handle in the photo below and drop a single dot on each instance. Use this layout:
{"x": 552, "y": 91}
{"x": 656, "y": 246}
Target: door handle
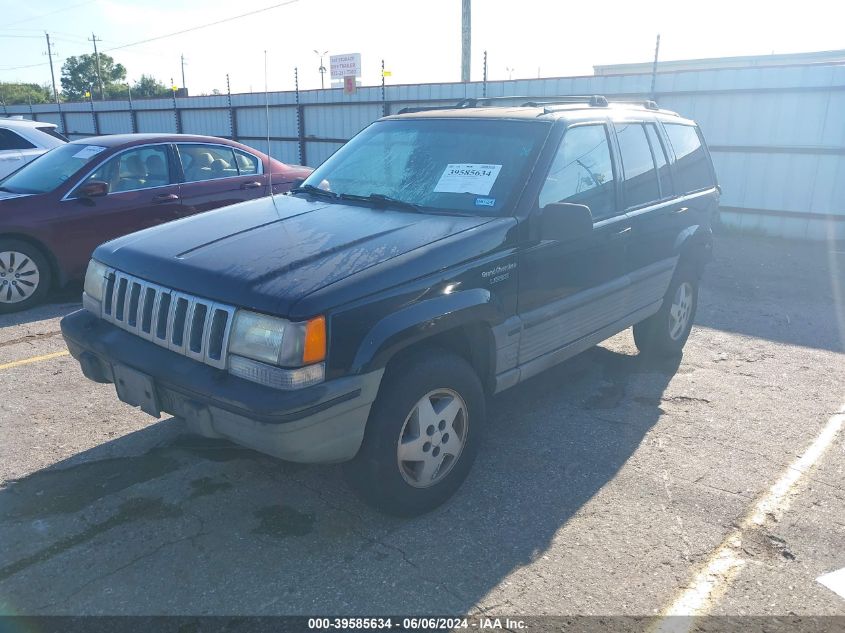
{"x": 620, "y": 234}
{"x": 251, "y": 185}
{"x": 166, "y": 197}
{"x": 679, "y": 211}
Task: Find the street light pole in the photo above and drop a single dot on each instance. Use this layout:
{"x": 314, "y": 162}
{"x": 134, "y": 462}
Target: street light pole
{"x": 322, "y": 68}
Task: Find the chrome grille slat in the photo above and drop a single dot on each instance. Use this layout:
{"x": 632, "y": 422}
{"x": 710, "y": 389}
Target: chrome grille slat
{"x": 209, "y": 337}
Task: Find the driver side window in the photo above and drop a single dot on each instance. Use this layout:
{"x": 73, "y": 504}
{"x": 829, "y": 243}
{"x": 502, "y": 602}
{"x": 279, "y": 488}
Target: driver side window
{"x": 138, "y": 168}
{"x": 582, "y": 172}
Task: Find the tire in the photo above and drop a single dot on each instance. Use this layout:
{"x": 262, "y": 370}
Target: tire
{"x": 25, "y": 275}
{"x": 384, "y": 473}
{"x": 665, "y": 333}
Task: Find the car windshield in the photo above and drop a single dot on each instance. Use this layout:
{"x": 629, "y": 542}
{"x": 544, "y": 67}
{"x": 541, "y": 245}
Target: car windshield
{"x": 451, "y": 165}
{"x": 50, "y": 170}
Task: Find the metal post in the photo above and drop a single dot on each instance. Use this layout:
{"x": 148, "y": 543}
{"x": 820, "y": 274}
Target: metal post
{"x": 97, "y": 62}
{"x": 300, "y": 118}
{"x": 654, "y": 69}
{"x": 183, "y": 72}
{"x": 233, "y": 121}
{"x": 484, "y": 84}
{"x": 31, "y": 111}
{"x": 133, "y": 118}
{"x": 94, "y": 114}
{"x": 466, "y": 34}
{"x": 176, "y": 114}
{"x": 383, "y": 99}
{"x": 53, "y": 78}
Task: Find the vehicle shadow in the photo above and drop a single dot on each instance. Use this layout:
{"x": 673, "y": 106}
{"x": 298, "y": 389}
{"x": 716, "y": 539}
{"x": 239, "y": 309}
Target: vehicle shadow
{"x": 776, "y": 289}
{"x": 59, "y": 303}
{"x": 160, "y": 522}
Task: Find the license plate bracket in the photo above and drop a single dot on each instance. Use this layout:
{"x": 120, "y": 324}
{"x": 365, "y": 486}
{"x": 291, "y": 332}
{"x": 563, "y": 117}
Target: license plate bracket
{"x": 136, "y": 388}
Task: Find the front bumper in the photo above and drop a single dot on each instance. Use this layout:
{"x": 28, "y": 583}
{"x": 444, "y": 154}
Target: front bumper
{"x": 323, "y": 423}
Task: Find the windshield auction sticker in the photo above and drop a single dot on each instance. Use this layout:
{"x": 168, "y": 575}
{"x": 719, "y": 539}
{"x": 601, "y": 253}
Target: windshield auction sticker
{"x": 88, "y": 152}
{"x": 468, "y": 178}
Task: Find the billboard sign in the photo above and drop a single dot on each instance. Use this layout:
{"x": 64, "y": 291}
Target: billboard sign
{"x": 348, "y": 65}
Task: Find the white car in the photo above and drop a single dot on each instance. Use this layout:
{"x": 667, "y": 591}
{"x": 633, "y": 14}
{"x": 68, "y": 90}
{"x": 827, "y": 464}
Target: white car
{"x": 22, "y": 140}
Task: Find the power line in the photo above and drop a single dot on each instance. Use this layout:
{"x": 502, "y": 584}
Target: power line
{"x": 202, "y": 26}
{"x": 161, "y": 37}
{"x": 44, "y": 15}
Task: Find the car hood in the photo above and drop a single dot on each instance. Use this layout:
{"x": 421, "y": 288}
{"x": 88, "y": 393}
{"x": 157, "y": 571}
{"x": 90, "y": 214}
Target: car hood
{"x": 266, "y": 258}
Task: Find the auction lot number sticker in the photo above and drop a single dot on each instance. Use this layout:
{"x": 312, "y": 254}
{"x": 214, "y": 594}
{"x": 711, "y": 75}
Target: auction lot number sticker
{"x": 468, "y": 178}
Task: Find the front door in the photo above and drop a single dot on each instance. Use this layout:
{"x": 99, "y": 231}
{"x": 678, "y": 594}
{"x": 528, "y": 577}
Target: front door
{"x": 142, "y": 192}
{"x": 574, "y": 288}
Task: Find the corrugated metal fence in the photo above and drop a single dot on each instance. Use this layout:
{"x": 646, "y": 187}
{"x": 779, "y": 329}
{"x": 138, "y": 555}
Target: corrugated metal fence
{"x": 777, "y": 134}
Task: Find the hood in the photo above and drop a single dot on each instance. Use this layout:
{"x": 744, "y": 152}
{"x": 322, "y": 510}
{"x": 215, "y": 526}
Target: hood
{"x": 256, "y": 256}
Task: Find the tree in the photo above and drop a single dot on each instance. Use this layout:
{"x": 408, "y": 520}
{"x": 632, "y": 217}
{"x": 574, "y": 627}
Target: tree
{"x": 79, "y": 75}
{"x": 149, "y": 86}
{"x": 19, "y": 93}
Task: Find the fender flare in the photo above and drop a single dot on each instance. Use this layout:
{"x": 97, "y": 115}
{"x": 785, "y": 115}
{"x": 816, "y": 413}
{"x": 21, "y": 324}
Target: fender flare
{"x": 695, "y": 245}
{"x": 424, "y": 319}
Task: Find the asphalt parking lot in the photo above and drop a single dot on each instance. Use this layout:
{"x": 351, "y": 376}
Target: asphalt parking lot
{"x": 605, "y": 486}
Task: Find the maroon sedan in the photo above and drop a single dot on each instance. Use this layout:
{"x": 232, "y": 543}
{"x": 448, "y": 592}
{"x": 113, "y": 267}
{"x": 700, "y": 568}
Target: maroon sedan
{"x": 58, "y": 208}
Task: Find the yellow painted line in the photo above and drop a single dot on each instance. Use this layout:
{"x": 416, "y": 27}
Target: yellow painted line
{"x": 727, "y": 560}
{"x": 34, "y": 359}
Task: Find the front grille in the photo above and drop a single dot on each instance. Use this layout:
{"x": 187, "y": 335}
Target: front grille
{"x": 183, "y": 323}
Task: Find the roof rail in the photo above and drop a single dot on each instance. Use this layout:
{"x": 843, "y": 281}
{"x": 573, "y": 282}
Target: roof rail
{"x": 594, "y": 101}
{"x": 648, "y": 104}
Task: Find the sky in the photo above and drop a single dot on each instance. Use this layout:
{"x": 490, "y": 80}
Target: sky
{"x": 419, "y": 41}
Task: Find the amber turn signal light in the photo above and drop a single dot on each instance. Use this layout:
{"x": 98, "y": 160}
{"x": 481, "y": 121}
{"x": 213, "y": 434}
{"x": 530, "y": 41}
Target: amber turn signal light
{"x": 315, "y": 341}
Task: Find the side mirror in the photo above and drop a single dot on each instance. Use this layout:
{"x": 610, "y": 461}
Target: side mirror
{"x": 565, "y": 221}
{"x": 93, "y": 189}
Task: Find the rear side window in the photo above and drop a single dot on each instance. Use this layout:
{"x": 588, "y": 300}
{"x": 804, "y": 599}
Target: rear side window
{"x": 207, "y": 162}
{"x": 660, "y": 159}
{"x": 247, "y": 163}
{"x": 582, "y": 172}
{"x": 692, "y": 166}
{"x": 638, "y": 165}
{"x": 52, "y": 132}
{"x": 10, "y": 140}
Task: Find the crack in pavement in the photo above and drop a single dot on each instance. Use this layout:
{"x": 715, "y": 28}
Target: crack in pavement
{"x": 29, "y": 338}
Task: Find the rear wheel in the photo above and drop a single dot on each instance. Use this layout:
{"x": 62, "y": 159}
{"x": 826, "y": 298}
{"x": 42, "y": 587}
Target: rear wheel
{"x": 665, "y": 333}
{"x": 24, "y": 275}
{"x": 422, "y": 435}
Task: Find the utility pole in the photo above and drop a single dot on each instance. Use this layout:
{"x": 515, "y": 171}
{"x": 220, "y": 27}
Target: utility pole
{"x": 53, "y": 78}
{"x": 183, "y": 72}
{"x": 97, "y": 62}
{"x": 466, "y": 36}
{"x": 484, "y": 76}
{"x": 322, "y": 68}
{"x": 654, "y": 69}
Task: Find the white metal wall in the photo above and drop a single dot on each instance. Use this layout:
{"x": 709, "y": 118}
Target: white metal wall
{"x": 777, "y": 134}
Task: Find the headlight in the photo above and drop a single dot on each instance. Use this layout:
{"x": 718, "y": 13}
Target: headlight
{"x": 278, "y": 341}
{"x": 95, "y": 286}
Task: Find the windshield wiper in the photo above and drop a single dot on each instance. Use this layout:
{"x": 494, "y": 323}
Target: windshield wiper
{"x": 314, "y": 191}
{"x": 383, "y": 200}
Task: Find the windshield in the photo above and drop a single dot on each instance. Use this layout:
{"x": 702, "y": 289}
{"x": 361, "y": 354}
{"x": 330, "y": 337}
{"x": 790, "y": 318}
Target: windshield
{"x": 51, "y": 169}
{"x": 463, "y": 165}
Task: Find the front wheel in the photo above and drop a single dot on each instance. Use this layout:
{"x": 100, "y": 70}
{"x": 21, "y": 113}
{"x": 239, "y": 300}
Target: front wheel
{"x": 422, "y": 435}
{"x": 24, "y": 276}
{"x": 666, "y": 332}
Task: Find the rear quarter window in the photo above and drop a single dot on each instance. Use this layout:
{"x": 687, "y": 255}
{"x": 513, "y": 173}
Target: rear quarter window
{"x": 692, "y": 164}
{"x": 10, "y": 140}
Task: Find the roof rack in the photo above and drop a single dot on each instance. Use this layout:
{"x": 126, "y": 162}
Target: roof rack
{"x": 548, "y": 105}
{"x": 594, "y": 101}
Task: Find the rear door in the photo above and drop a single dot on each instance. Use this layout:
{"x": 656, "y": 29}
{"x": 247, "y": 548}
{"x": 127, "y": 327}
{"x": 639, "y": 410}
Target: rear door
{"x": 651, "y": 205}
{"x": 12, "y": 146}
{"x": 573, "y": 288}
{"x": 217, "y": 176}
{"x": 142, "y": 192}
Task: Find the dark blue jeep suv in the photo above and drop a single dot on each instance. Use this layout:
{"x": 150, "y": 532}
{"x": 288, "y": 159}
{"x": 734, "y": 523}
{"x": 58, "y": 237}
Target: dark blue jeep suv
{"x": 438, "y": 257}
